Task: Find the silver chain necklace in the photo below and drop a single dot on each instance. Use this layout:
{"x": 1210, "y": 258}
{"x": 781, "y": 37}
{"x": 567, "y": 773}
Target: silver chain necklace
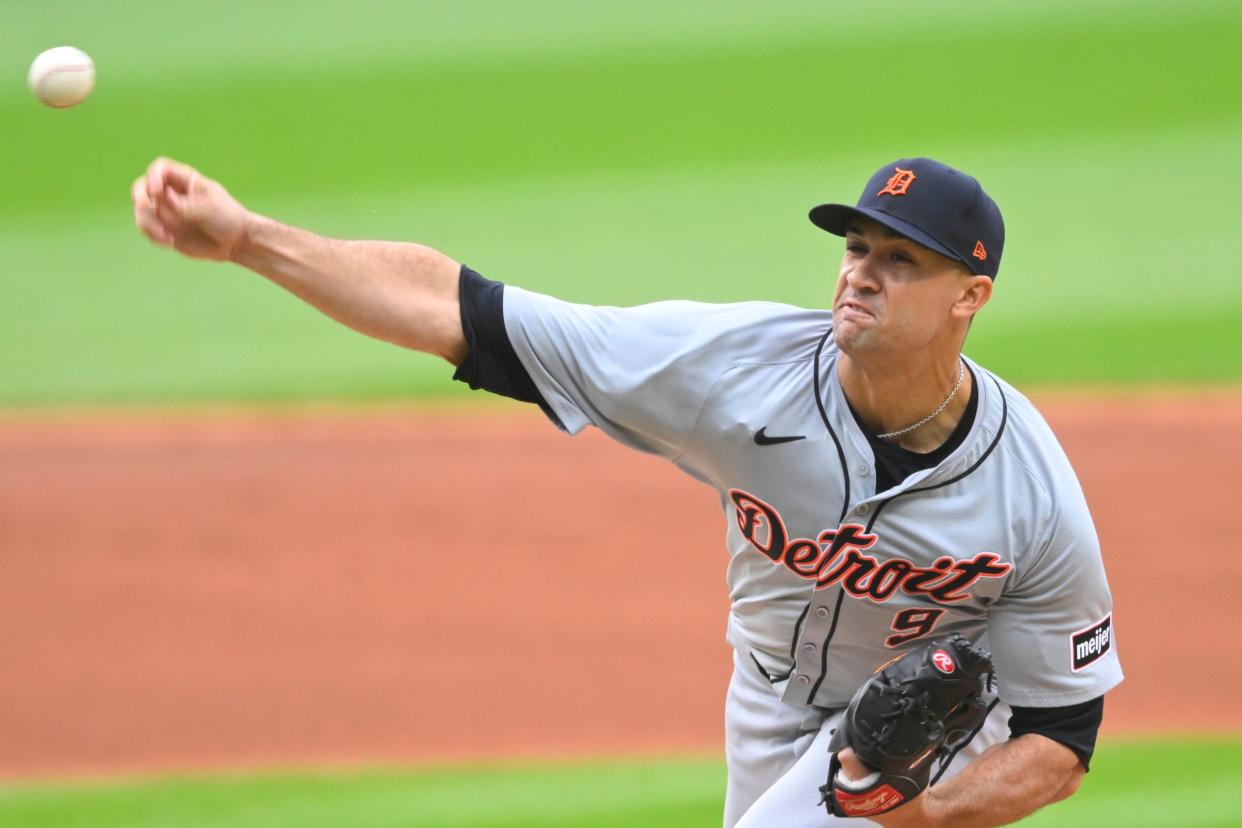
{"x": 961, "y": 373}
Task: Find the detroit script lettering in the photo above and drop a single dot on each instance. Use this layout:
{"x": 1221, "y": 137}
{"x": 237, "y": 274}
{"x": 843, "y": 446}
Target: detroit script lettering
{"x": 837, "y": 556}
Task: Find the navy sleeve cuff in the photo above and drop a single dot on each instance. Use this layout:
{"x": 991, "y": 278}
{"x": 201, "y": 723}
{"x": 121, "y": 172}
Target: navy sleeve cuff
{"x": 491, "y": 363}
{"x": 1075, "y": 726}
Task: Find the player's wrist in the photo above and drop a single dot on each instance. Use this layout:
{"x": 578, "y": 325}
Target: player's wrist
{"x": 243, "y": 247}
{"x": 919, "y": 812}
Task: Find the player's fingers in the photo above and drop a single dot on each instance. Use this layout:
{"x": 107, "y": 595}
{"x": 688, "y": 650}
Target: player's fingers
{"x": 144, "y": 213}
{"x": 177, "y": 202}
{"x": 174, "y": 174}
{"x": 154, "y": 178}
{"x": 152, "y": 228}
{"x": 166, "y": 214}
{"x": 851, "y": 766}
{"x": 138, "y": 191}
{"x": 169, "y": 205}
{"x": 164, "y": 172}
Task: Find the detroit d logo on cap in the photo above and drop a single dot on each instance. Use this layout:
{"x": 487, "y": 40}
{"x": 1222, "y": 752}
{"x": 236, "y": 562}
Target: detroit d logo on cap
{"x": 899, "y": 184}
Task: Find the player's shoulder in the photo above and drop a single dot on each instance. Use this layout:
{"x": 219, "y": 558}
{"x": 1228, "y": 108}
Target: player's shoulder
{"x": 1024, "y": 418}
{"x": 727, "y": 336}
{"x": 1030, "y": 443}
{"x": 759, "y": 331}
{"x": 689, "y": 310}
{"x": 734, "y": 332}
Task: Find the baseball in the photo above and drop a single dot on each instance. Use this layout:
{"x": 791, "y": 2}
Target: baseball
{"x": 62, "y": 77}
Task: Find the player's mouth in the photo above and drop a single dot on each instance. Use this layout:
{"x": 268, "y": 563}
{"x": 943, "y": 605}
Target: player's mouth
{"x": 851, "y": 306}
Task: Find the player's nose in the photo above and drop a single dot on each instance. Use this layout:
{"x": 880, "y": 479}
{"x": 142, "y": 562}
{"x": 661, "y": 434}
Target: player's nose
{"x": 861, "y": 275}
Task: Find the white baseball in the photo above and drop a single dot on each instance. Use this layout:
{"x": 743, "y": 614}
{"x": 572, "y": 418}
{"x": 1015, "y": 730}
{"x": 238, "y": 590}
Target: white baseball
{"x": 62, "y": 76}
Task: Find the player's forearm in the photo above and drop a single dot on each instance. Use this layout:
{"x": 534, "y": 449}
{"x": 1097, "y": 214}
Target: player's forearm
{"x": 1006, "y": 783}
{"x": 402, "y": 293}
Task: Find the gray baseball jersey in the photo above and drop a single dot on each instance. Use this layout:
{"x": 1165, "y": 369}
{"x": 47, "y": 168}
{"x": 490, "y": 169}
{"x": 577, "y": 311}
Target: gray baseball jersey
{"x": 828, "y": 577}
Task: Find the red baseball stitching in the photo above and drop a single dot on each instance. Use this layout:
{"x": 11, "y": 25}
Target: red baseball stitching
{"x": 40, "y": 90}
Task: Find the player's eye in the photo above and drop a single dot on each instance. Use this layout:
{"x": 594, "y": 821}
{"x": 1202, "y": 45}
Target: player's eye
{"x": 856, "y": 249}
{"x": 897, "y": 256}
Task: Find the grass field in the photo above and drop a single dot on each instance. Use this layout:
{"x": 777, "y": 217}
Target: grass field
{"x": 1175, "y": 784}
{"x": 619, "y": 155}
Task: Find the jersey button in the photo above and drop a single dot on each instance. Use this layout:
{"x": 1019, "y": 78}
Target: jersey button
{"x": 808, "y": 648}
{"x": 803, "y": 680}
{"x": 864, "y": 470}
{"x": 862, "y": 510}
{"x": 822, "y": 612}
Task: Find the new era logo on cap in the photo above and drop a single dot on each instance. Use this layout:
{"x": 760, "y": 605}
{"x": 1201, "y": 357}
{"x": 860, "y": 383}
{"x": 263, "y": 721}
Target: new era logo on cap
{"x": 931, "y": 204}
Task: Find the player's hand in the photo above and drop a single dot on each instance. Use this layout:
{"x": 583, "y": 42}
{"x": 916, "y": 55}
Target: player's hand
{"x": 851, "y": 765}
{"x": 177, "y": 206}
{"x": 910, "y": 815}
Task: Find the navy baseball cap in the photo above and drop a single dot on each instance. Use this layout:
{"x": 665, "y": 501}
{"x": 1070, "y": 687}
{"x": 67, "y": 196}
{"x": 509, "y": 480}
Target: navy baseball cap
{"x": 932, "y": 204}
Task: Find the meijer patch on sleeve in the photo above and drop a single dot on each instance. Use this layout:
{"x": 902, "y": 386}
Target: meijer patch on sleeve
{"x": 1089, "y": 645}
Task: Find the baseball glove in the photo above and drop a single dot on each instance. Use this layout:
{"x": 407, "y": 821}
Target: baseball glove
{"x": 915, "y": 711}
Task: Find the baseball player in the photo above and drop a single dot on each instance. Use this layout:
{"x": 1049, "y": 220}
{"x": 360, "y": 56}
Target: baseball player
{"x": 880, "y": 489}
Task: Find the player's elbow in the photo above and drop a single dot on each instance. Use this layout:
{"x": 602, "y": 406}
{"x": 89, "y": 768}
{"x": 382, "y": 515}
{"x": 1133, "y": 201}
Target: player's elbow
{"x": 1071, "y": 784}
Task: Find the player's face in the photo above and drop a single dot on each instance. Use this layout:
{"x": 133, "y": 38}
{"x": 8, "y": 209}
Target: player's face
{"x": 893, "y": 294}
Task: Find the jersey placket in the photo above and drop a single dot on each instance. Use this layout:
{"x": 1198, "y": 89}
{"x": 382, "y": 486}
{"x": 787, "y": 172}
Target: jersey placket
{"x": 818, "y": 625}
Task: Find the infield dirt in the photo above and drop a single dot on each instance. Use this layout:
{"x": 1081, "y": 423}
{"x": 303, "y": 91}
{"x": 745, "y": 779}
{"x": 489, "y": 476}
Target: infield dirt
{"x": 253, "y": 589}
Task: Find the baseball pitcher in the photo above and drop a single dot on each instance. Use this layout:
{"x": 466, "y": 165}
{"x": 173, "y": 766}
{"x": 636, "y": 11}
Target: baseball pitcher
{"x": 921, "y": 624}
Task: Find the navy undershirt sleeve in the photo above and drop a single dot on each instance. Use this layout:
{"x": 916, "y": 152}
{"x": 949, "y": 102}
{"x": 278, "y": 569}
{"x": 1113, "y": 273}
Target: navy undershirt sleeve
{"x": 1075, "y": 726}
{"x": 491, "y": 363}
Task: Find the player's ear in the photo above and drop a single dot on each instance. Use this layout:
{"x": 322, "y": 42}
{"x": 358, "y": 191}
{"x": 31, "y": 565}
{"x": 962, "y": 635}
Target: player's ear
{"x": 976, "y": 291}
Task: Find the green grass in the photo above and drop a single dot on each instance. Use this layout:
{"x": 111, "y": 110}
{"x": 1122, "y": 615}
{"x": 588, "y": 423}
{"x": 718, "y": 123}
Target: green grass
{"x": 1137, "y": 784}
{"x": 615, "y": 794}
{"x": 620, "y": 154}
{"x": 1167, "y": 784}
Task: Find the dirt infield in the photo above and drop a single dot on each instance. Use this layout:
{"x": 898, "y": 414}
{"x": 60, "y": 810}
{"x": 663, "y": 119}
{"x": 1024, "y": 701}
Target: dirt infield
{"x": 405, "y": 585}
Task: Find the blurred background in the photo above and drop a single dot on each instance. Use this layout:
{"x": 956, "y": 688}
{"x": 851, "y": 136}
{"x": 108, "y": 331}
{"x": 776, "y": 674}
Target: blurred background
{"x": 616, "y": 152}
{"x": 612, "y": 153}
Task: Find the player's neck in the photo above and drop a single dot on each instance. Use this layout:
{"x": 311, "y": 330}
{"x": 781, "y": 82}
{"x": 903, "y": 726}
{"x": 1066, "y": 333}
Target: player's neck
{"x": 892, "y": 395}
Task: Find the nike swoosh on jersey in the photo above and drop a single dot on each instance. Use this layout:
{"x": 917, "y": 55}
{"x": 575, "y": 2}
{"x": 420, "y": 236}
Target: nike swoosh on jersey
{"x": 762, "y": 438}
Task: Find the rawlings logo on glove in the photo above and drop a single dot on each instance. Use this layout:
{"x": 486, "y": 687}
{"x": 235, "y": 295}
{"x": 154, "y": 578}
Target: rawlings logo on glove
{"x": 915, "y": 711}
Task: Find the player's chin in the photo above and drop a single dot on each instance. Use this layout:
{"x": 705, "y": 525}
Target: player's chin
{"x": 852, "y": 329}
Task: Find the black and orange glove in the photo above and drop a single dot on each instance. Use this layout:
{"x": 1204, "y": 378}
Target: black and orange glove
{"x": 914, "y": 713}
